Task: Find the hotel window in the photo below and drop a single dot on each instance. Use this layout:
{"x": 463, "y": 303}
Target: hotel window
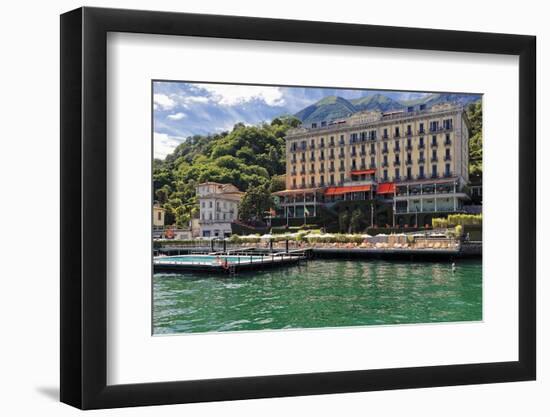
{"x": 409, "y": 143}
{"x": 322, "y": 142}
{"x": 303, "y": 144}
{"x": 372, "y": 148}
{"x": 421, "y": 142}
{"x": 353, "y": 153}
{"x": 434, "y": 155}
{"x": 322, "y": 155}
{"x": 303, "y": 182}
{"x": 159, "y": 215}
{"x": 409, "y": 173}
{"x": 332, "y": 179}
{"x": 372, "y": 161}
{"x": 409, "y": 130}
{"x": 210, "y": 215}
{"x": 448, "y": 123}
{"x": 332, "y": 165}
{"x": 434, "y": 126}
{"x": 293, "y": 182}
{"x": 362, "y": 162}
{"x": 421, "y": 171}
{"x": 385, "y": 175}
{"x": 396, "y": 173}
{"x": 421, "y": 128}
{"x": 341, "y": 178}
{"x": 313, "y": 143}
{"x": 313, "y": 181}
{"x": 447, "y": 138}
{"x": 332, "y": 141}
{"x": 362, "y": 149}
{"x": 202, "y": 204}
{"x": 409, "y": 158}
{"x": 341, "y": 139}
{"x": 385, "y": 133}
{"x": 353, "y": 165}
{"x": 385, "y": 159}
{"x": 422, "y": 107}
{"x": 396, "y": 132}
{"x": 447, "y": 154}
{"x": 322, "y": 166}
{"x": 434, "y": 171}
{"x": 312, "y": 156}
{"x": 396, "y": 146}
{"x": 448, "y": 170}
{"x": 209, "y": 204}
{"x": 341, "y": 165}
{"x": 312, "y": 167}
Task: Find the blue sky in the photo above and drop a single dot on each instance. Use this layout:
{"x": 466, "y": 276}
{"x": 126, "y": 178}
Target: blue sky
{"x": 185, "y": 109}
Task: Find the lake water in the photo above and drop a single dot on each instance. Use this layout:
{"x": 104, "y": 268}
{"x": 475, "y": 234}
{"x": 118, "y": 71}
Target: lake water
{"x": 319, "y": 293}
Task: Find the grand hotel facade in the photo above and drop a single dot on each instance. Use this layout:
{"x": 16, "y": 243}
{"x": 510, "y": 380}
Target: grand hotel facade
{"x": 414, "y": 161}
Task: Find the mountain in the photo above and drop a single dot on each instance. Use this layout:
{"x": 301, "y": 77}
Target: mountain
{"x": 328, "y": 108}
{"x": 378, "y": 102}
{"x": 334, "y": 107}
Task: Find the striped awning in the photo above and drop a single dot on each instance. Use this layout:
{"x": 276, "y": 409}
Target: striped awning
{"x": 345, "y": 190}
{"x": 364, "y": 172}
{"x": 386, "y": 188}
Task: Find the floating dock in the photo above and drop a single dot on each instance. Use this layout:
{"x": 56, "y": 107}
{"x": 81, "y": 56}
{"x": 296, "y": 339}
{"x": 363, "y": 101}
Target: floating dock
{"x": 228, "y": 262}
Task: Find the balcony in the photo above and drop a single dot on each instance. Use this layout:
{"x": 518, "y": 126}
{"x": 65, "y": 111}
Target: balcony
{"x": 396, "y": 135}
{"x": 409, "y": 132}
{"x": 322, "y": 145}
{"x": 331, "y": 156}
{"x": 448, "y": 142}
{"x": 385, "y": 150}
{"x": 341, "y": 155}
{"x": 396, "y": 179}
{"x": 433, "y": 159}
{"x": 409, "y": 162}
{"x": 372, "y": 166}
{"x": 353, "y": 154}
{"x": 362, "y": 153}
{"x": 396, "y": 163}
{"x": 448, "y": 174}
{"x": 363, "y": 166}
{"x": 421, "y": 177}
{"x": 385, "y": 164}
{"x": 341, "y": 143}
{"x": 312, "y": 146}
{"x": 420, "y": 146}
{"x": 433, "y": 176}
{"x": 311, "y": 171}
{"x": 385, "y": 136}
{"x": 447, "y": 157}
{"x": 322, "y": 158}
{"x": 421, "y": 160}
{"x": 341, "y": 169}
{"x": 421, "y": 131}
{"x": 331, "y": 169}
{"x": 433, "y": 144}
{"x": 331, "y": 144}
{"x": 396, "y": 149}
{"x": 303, "y": 172}
{"x": 408, "y": 147}
{"x": 312, "y": 158}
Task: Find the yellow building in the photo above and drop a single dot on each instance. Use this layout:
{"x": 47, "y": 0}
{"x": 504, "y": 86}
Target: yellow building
{"x": 417, "y": 158}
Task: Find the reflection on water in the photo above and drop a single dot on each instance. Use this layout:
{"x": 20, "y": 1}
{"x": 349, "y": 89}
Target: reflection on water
{"x": 319, "y": 293}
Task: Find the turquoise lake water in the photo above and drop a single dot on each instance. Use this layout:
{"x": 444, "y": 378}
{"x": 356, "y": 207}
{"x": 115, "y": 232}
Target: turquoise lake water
{"x": 318, "y": 293}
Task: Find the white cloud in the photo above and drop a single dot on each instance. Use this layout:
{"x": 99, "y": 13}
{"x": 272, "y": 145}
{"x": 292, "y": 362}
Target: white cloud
{"x": 163, "y": 102}
{"x": 229, "y": 95}
{"x": 164, "y": 144}
{"x": 176, "y": 116}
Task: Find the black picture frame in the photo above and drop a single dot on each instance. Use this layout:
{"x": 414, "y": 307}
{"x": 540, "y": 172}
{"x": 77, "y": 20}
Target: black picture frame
{"x": 84, "y": 207}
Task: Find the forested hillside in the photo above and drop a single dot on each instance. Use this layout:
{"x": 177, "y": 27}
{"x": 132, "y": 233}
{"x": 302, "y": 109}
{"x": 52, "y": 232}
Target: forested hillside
{"x": 248, "y": 156}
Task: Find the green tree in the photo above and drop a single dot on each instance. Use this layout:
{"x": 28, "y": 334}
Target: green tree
{"x": 255, "y": 203}
{"x": 344, "y": 221}
{"x": 475, "y": 144}
{"x": 356, "y": 221}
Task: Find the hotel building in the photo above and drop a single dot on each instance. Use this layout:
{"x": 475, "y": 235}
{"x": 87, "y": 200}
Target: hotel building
{"x": 218, "y": 208}
{"x": 415, "y": 160}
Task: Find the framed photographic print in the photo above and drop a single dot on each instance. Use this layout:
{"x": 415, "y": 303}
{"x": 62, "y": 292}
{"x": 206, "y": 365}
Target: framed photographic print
{"x": 257, "y": 208}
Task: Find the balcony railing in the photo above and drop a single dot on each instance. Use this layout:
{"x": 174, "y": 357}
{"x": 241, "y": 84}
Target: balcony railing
{"x": 372, "y": 166}
{"x": 341, "y": 169}
{"x": 331, "y": 169}
{"x": 421, "y": 176}
{"x": 433, "y": 159}
{"x": 447, "y": 157}
{"x": 331, "y": 144}
{"x": 409, "y": 132}
{"x": 421, "y": 131}
{"x": 433, "y": 144}
{"x": 385, "y": 164}
{"x": 385, "y": 150}
{"x": 448, "y": 174}
{"x": 396, "y": 149}
{"x": 421, "y": 160}
{"x": 408, "y": 147}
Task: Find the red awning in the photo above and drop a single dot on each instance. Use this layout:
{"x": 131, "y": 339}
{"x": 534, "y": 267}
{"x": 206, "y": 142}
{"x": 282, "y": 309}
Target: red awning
{"x": 386, "y": 188}
{"x": 345, "y": 190}
{"x": 364, "y": 171}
